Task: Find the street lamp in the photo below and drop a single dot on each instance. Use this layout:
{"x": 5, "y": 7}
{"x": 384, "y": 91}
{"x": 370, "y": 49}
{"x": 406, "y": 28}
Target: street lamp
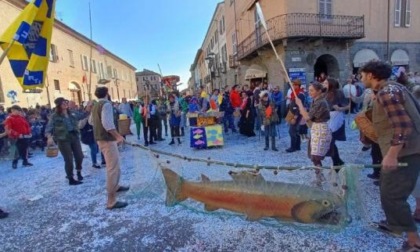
{"x": 210, "y": 63}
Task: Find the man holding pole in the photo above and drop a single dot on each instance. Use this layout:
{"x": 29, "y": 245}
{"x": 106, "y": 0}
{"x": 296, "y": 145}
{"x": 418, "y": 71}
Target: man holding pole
{"x": 396, "y": 119}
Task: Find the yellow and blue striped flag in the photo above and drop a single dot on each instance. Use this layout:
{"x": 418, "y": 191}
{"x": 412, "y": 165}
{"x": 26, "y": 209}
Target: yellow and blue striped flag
{"x": 28, "y": 41}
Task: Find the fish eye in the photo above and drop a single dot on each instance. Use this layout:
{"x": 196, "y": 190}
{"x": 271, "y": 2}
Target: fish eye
{"x": 326, "y": 203}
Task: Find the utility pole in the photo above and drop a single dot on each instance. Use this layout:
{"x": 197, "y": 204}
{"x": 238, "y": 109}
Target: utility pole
{"x": 89, "y": 86}
{"x": 388, "y": 27}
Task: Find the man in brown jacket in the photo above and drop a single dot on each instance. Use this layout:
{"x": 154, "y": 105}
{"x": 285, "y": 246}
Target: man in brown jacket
{"x": 396, "y": 119}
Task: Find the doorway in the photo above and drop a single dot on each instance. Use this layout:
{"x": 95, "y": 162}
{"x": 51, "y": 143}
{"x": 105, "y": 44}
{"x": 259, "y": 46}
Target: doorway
{"x": 328, "y": 65}
{"x": 76, "y": 93}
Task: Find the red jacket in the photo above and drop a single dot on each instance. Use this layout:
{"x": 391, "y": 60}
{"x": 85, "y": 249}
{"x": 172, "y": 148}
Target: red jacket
{"x": 235, "y": 99}
{"x": 17, "y": 125}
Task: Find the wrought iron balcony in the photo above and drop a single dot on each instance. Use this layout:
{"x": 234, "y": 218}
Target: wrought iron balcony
{"x": 303, "y": 25}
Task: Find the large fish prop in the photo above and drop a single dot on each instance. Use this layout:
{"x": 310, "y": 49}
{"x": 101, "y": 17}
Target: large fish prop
{"x": 250, "y": 194}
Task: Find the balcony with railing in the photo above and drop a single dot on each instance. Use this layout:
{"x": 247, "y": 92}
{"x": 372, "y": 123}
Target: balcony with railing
{"x": 303, "y": 25}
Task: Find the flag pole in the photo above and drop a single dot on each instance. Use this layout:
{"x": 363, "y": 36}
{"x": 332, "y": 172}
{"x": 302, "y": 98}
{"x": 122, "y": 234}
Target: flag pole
{"x": 259, "y": 10}
{"x": 91, "y": 52}
{"x": 48, "y": 91}
{"x": 161, "y": 83}
{"x": 4, "y": 54}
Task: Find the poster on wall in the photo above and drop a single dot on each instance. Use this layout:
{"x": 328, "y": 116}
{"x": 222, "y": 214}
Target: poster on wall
{"x": 298, "y": 73}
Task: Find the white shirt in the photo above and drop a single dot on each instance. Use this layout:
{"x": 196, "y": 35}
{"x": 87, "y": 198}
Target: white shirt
{"x": 349, "y": 90}
{"x": 107, "y": 116}
{"x": 288, "y": 96}
{"x": 125, "y": 108}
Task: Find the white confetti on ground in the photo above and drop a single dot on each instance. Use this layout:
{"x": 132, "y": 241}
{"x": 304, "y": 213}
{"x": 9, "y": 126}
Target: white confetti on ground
{"x": 61, "y": 217}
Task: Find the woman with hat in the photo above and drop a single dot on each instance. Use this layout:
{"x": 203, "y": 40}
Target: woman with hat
{"x": 63, "y": 128}
{"x": 18, "y": 128}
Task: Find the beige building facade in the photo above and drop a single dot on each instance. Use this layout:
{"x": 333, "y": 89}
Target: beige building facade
{"x": 319, "y": 36}
{"x": 148, "y": 83}
{"x": 214, "y": 59}
{"x": 72, "y": 71}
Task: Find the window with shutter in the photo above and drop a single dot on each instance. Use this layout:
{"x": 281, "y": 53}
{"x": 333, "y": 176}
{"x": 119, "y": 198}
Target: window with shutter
{"x": 84, "y": 62}
{"x": 71, "y": 58}
{"x": 93, "y": 66}
{"x": 115, "y": 73}
{"x": 325, "y": 9}
{"x": 402, "y": 13}
{"x": 53, "y": 53}
{"x": 234, "y": 45}
{"x": 57, "y": 85}
{"x": 407, "y": 13}
{"x": 397, "y": 21}
{"x": 109, "y": 72}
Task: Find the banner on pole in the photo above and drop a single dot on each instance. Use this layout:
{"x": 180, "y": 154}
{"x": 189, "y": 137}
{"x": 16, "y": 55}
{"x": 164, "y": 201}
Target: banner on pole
{"x": 28, "y": 40}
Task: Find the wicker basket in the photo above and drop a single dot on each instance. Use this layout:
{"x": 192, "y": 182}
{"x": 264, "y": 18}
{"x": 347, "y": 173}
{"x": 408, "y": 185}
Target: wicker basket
{"x": 365, "y": 125}
{"x": 51, "y": 151}
{"x": 124, "y": 126}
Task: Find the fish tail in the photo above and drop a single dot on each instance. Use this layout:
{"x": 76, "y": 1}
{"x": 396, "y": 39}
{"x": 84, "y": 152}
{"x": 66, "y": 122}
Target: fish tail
{"x": 174, "y": 193}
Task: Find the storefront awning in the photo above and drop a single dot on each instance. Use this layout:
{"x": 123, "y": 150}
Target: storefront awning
{"x": 73, "y": 87}
{"x": 364, "y": 56}
{"x": 255, "y": 72}
{"x": 400, "y": 58}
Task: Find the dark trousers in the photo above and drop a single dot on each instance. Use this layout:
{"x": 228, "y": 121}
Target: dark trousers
{"x": 279, "y": 113}
{"x": 228, "y": 122}
{"x": 294, "y": 136}
{"x": 396, "y": 187}
{"x": 376, "y": 155}
{"x": 94, "y": 149}
{"x": 175, "y": 131}
{"x": 22, "y": 149}
{"x": 335, "y": 155}
{"x": 153, "y": 126}
{"x": 145, "y": 132}
{"x": 354, "y": 107}
{"x": 71, "y": 149}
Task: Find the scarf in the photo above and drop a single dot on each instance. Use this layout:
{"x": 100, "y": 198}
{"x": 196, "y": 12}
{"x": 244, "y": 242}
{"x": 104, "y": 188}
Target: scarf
{"x": 298, "y": 91}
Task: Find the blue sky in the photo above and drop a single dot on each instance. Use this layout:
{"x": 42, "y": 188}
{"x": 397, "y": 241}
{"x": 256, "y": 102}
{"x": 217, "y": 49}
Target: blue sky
{"x": 144, "y": 32}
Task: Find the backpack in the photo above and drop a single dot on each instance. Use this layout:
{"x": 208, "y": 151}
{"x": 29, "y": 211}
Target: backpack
{"x": 359, "y": 91}
{"x": 86, "y": 134}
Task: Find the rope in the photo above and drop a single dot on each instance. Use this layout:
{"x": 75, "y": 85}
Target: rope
{"x": 209, "y": 161}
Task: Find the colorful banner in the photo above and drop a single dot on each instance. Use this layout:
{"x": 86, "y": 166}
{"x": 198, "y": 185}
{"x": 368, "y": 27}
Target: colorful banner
{"x": 28, "y": 41}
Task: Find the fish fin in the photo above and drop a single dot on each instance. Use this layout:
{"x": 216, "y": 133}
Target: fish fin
{"x": 253, "y": 217}
{"x": 247, "y": 177}
{"x": 174, "y": 193}
{"x": 210, "y": 208}
{"x": 303, "y": 212}
{"x": 204, "y": 178}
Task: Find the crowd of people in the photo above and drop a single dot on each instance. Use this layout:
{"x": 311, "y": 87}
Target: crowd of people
{"x": 247, "y": 110}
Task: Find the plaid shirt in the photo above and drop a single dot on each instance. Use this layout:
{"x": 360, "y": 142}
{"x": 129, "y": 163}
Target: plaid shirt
{"x": 391, "y": 97}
